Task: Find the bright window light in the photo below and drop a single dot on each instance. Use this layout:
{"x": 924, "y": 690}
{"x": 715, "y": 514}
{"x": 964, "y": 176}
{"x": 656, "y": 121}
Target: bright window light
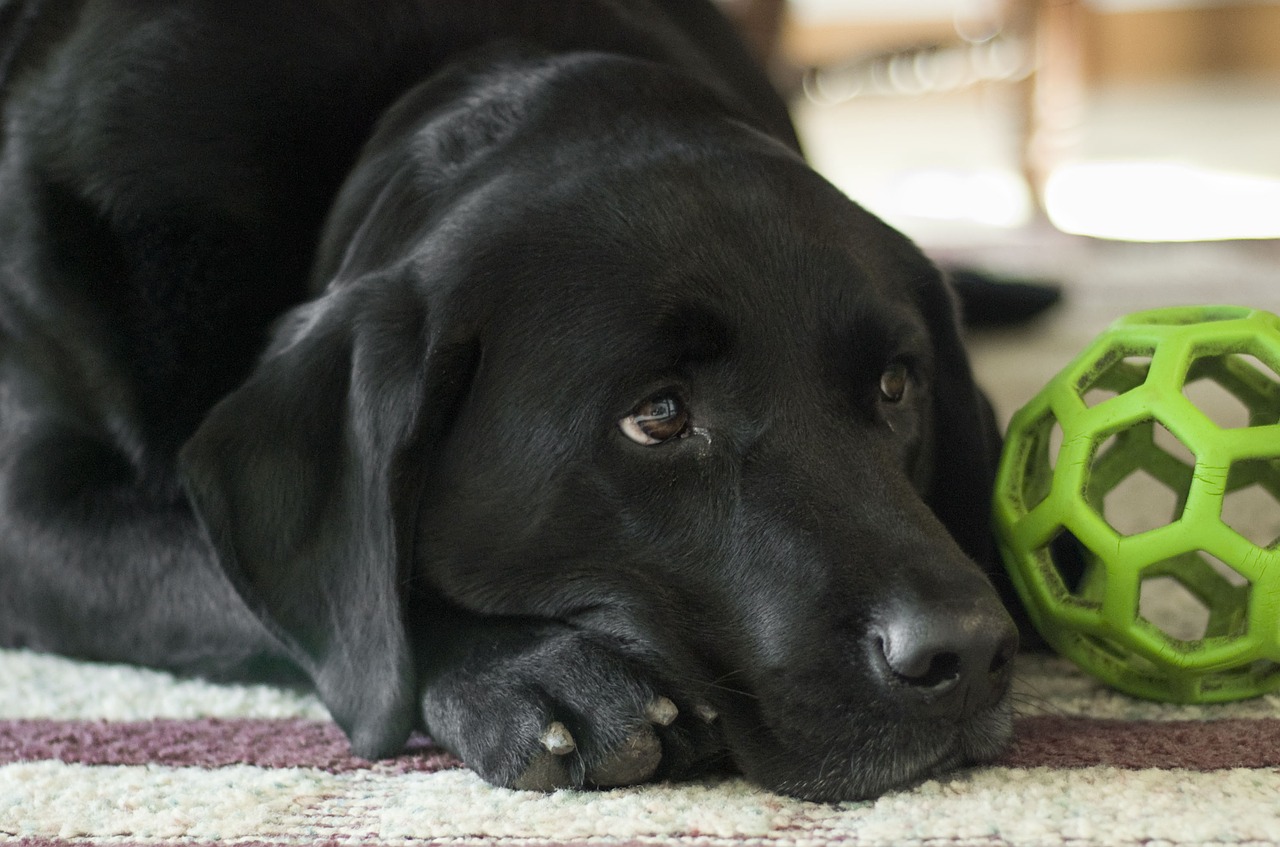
{"x": 992, "y": 198}
{"x": 1161, "y": 201}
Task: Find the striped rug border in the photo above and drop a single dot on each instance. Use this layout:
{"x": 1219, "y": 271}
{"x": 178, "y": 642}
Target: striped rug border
{"x": 206, "y": 743}
{"x": 1040, "y": 741}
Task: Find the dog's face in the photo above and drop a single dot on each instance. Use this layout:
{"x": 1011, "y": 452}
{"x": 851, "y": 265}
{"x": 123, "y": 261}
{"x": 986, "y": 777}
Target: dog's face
{"x": 681, "y": 394}
{"x": 704, "y": 420}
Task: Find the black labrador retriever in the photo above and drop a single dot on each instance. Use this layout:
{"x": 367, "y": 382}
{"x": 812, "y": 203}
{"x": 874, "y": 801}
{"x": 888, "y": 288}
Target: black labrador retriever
{"x": 499, "y": 366}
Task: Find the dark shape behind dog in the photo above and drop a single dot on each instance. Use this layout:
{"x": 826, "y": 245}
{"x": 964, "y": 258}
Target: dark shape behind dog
{"x": 501, "y": 366}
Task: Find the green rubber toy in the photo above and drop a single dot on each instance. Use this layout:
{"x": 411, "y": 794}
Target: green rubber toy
{"x": 1137, "y": 505}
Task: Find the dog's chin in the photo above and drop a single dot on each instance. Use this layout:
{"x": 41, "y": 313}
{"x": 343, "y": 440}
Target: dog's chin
{"x": 874, "y": 758}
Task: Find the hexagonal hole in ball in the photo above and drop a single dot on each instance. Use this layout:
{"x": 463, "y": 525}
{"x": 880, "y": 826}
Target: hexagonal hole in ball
{"x": 1194, "y": 596}
{"x": 1139, "y": 478}
{"x": 1139, "y": 503}
{"x": 1043, "y": 440}
{"x": 1251, "y": 505}
{"x": 1167, "y": 605}
{"x": 1234, "y": 391}
{"x": 1074, "y": 568}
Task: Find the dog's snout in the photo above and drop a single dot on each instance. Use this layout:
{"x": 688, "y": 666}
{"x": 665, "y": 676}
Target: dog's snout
{"x": 946, "y": 661}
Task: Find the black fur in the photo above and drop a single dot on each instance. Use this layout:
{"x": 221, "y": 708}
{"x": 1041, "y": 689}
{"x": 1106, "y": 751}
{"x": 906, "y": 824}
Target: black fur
{"x": 318, "y": 320}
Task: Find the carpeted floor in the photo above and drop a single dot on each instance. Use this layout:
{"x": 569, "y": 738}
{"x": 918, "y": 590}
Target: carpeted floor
{"x": 112, "y": 755}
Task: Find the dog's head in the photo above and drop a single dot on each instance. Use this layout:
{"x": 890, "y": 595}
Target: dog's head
{"x": 668, "y": 385}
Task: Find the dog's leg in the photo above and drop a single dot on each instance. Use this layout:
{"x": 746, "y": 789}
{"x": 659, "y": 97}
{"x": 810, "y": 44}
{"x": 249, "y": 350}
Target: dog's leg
{"x": 542, "y": 706}
{"x": 93, "y": 567}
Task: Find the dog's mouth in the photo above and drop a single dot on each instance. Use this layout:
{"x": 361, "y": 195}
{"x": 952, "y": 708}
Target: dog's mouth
{"x": 796, "y": 736}
{"x": 872, "y": 757}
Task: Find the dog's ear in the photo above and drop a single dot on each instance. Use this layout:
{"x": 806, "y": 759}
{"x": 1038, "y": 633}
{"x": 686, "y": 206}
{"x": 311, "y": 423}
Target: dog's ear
{"x": 307, "y": 478}
{"x": 966, "y": 438}
{"x": 966, "y": 451}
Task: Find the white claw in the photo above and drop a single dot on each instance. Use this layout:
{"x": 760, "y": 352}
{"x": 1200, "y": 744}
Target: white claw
{"x": 557, "y": 740}
{"x": 662, "y": 712}
{"x": 705, "y": 712}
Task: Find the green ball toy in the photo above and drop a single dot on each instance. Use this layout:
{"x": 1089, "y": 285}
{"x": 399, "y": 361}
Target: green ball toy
{"x": 1137, "y": 505}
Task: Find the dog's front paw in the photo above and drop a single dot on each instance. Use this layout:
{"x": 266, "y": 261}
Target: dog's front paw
{"x": 544, "y": 709}
{"x": 633, "y": 761}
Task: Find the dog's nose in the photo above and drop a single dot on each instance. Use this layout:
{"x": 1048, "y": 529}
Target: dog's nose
{"x": 948, "y": 660}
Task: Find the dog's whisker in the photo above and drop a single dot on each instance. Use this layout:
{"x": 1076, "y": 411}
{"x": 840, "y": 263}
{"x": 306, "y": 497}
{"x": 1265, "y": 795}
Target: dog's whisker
{"x": 1026, "y": 704}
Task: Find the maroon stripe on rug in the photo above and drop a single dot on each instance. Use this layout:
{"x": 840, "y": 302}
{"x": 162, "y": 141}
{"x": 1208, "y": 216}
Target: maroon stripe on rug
{"x": 1062, "y": 742}
{"x": 207, "y": 743}
{"x": 1056, "y": 742}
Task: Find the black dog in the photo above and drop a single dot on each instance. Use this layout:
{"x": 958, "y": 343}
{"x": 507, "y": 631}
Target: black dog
{"x": 499, "y": 365}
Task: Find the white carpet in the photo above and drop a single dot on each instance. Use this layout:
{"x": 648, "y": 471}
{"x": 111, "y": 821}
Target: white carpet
{"x": 49, "y": 795}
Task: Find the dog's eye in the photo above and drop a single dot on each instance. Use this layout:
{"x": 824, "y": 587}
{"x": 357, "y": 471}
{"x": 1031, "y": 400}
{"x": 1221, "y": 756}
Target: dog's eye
{"x": 656, "y": 420}
{"x": 893, "y": 382}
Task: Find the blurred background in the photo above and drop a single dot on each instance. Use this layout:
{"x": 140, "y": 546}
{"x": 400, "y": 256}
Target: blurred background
{"x": 1137, "y": 119}
{"x": 1125, "y": 150}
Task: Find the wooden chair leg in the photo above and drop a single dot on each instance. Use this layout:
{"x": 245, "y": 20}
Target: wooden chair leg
{"x": 1053, "y": 94}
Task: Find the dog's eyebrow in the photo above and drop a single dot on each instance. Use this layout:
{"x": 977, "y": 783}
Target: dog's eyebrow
{"x": 693, "y": 334}
{"x": 879, "y": 332}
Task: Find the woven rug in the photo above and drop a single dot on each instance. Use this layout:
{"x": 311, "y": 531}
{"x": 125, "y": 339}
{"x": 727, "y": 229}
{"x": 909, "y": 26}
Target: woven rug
{"x": 100, "y": 754}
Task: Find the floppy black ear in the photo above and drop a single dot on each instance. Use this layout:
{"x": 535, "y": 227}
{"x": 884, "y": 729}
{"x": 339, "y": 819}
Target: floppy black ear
{"x": 966, "y": 449}
{"x": 966, "y": 437}
{"x": 307, "y": 478}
